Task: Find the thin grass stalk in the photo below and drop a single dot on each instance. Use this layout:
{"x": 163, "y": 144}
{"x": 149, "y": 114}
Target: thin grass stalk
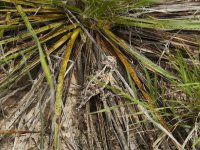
{"x": 41, "y": 53}
{"x": 140, "y": 86}
{"x": 60, "y": 85}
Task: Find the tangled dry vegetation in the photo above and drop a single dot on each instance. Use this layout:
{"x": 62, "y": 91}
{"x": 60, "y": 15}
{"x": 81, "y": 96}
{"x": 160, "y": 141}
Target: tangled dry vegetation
{"x": 99, "y": 74}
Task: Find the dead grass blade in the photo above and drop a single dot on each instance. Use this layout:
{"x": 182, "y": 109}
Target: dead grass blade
{"x": 7, "y": 132}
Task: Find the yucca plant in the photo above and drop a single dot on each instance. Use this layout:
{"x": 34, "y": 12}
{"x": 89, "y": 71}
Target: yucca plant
{"x": 61, "y": 61}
